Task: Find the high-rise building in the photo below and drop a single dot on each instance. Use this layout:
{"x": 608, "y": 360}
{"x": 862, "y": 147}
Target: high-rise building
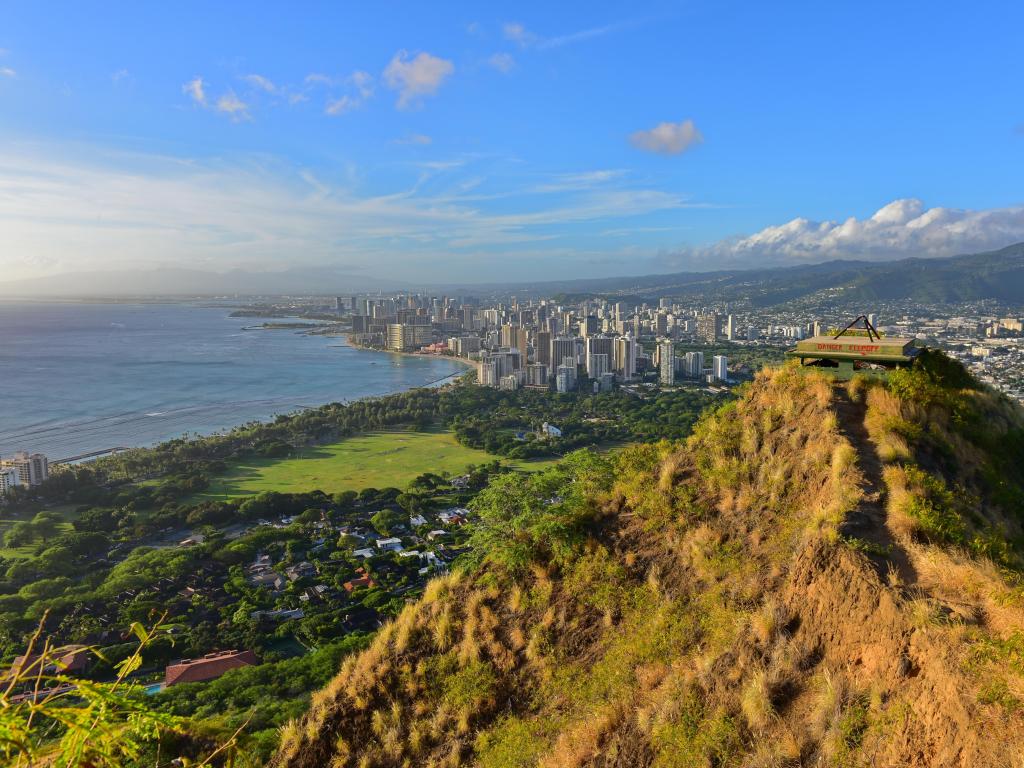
{"x": 590, "y": 325}
{"x": 720, "y": 368}
{"x": 403, "y": 337}
{"x": 31, "y": 468}
{"x": 8, "y": 479}
{"x": 509, "y": 360}
{"x": 753, "y": 333}
{"x": 694, "y": 365}
{"x": 730, "y": 328}
{"x": 667, "y": 362}
{"x": 537, "y": 375}
{"x": 565, "y": 378}
{"x": 598, "y": 346}
{"x": 543, "y": 350}
{"x": 598, "y": 364}
{"x": 708, "y": 328}
{"x": 624, "y": 362}
{"x": 487, "y": 372}
{"x": 515, "y": 336}
{"x": 563, "y": 347}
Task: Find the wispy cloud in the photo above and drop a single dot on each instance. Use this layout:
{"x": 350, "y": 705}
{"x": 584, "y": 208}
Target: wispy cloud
{"x": 668, "y": 138}
{"x": 260, "y": 82}
{"x": 319, "y": 78}
{"x": 415, "y": 138}
{"x": 7, "y": 72}
{"x": 196, "y": 90}
{"x": 345, "y": 93}
{"x": 119, "y": 76}
{"x": 66, "y": 214}
{"x": 342, "y": 105}
{"x": 232, "y": 106}
{"x": 519, "y": 34}
{"x": 417, "y": 77}
{"x": 503, "y": 62}
{"x": 578, "y": 181}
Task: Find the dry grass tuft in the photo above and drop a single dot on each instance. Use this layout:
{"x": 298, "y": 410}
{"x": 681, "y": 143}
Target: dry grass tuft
{"x": 756, "y": 701}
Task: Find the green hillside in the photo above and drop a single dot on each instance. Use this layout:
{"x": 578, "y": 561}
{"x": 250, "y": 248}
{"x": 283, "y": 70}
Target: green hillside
{"x": 825, "y": 574}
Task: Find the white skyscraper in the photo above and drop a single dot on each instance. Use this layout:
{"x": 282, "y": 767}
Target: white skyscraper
{"x": 8, "y": 479}
{"x": 720, "y": 368}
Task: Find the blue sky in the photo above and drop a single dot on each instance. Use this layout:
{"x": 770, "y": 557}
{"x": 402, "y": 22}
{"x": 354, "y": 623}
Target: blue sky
{"x": 502, "y": 141}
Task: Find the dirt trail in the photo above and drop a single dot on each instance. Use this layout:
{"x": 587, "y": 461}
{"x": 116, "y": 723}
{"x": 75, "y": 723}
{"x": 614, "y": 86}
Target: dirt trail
{"x": 869, "y": 522}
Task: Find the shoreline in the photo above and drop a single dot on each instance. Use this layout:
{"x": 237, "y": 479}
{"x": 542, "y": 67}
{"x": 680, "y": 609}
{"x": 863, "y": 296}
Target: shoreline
{"x": 93, "y": 435}
{"x": 465, "y": 361}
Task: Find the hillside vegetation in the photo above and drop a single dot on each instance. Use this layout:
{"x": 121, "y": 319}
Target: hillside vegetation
{"x": 822, "y": 574}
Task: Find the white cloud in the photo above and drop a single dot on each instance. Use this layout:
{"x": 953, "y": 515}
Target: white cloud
{"x": 318, "y": 78}
{"x": 261, "y": 83}
{"x": 195, "y": 88}
{"x": 517, "y": 33}
{"x": 7, "y": 72}
{"x": 415, "y": 138}
{"x": 900, "y": 229}
{"x": 417, "y": 77}
{"x": 668, "y": 138}
{"x": 341, "y": 105}
{"x": 503, "y": 62}
{"x": 229, "y": 104}
{"x": 362, "y": 82}
{"x": 119, "y": 75}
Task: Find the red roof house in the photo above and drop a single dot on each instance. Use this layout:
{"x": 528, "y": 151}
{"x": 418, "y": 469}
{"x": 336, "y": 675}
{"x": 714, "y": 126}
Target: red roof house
{"x": 63, "y": 660}
{"x": 209, "y": 667}
{"x": 362, "y": 581}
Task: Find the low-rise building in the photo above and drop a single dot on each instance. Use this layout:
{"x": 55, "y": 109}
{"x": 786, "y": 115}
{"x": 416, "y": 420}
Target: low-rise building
{"x": 209, "y": 667}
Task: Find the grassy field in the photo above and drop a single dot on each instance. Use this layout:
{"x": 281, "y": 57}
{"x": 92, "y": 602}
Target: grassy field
{"x": 374, "y": 460}
{"x": 28, "y": 550}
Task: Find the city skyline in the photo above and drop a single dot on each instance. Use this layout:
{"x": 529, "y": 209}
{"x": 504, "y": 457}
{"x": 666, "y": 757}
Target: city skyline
{"x": 509, "y": 144}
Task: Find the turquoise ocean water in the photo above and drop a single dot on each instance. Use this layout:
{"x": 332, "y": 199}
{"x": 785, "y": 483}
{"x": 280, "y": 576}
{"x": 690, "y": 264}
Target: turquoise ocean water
{"x": 76, "y": 378}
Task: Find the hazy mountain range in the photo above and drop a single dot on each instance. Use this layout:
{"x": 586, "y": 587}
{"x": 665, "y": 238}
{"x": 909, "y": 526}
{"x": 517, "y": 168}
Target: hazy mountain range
{"x": 989, "y": 275}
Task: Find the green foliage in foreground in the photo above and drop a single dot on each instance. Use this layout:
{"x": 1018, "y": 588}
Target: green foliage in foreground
{"x": 59, "y": 720}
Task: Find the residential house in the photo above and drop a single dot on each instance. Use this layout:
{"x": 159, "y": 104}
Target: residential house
{"x": 209, "y": 667}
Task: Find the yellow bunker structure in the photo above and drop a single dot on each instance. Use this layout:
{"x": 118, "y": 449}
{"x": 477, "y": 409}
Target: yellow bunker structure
{"x": 849, "y": 352}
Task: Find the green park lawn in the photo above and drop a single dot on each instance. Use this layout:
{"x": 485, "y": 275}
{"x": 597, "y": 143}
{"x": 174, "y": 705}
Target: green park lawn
{"x": 67, "y": 512}
{"x": 374, "y": 460}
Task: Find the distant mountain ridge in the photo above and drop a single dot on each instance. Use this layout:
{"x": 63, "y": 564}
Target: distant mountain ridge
{"x": 995, "y": 275}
